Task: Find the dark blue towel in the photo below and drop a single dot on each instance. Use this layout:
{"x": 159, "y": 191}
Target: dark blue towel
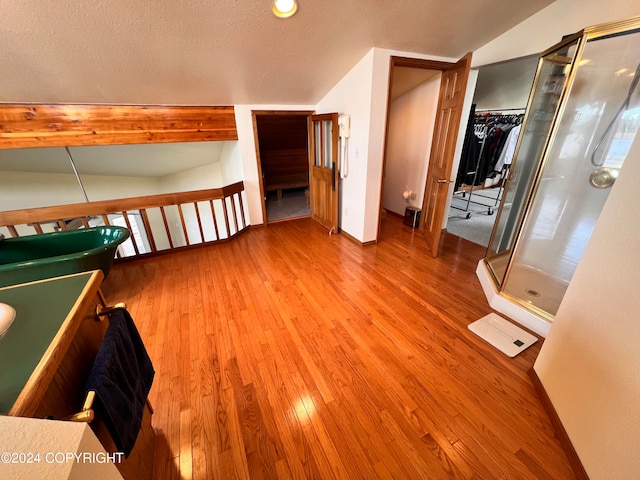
{"x": 121, "y": 376}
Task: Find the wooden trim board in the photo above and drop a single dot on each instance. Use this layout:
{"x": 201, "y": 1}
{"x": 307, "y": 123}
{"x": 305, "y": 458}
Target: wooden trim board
{"x": 31, "y": 125}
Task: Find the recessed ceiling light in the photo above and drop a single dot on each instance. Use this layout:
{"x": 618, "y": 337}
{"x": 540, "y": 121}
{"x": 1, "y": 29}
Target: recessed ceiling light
{"x": 285, "y": 8}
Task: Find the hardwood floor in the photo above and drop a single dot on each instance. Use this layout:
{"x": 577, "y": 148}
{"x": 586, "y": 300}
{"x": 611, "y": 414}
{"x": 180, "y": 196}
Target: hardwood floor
{"x": 288, "y": 353}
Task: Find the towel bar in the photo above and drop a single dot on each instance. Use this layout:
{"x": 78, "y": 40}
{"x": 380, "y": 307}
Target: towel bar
{"x": 101, "y": 311}
{"x": 86, "y": 415}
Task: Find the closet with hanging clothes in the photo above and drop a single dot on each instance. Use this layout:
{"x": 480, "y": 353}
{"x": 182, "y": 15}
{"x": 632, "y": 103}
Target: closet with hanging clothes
{"x": 489, "y": 146}
{"x": 482, "y": 173}
{"x": 488, "y": 150}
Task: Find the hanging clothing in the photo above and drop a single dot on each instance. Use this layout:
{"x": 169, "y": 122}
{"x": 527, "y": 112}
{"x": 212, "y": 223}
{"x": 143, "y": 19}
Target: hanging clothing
{"x": 470, "y": 152}
{"x": 489, "y": 144}
{"x": 506, "y": 157}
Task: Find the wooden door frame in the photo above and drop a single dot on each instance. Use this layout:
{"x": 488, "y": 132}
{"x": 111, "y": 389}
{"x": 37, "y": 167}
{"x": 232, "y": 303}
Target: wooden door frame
{"x": 395, "y": 61}
{"x": 331, "y": 224}
{"x": 256, "y": 144}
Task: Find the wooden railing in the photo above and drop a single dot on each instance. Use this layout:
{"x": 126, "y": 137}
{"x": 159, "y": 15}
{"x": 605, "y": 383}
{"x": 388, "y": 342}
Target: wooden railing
{"x": 167, "y": 222}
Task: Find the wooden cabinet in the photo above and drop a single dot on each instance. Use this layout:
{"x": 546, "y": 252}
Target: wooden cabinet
{"x": 48, "y": 353}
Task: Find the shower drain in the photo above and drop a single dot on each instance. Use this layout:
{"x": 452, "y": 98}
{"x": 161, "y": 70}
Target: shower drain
{"x": 532, "y": 293}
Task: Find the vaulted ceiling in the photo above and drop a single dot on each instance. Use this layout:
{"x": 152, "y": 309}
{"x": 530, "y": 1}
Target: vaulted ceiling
{"x": 213, "y": 52}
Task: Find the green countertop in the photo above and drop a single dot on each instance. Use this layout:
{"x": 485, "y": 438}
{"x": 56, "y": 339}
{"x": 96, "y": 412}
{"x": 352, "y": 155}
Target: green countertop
{"x": 41, "y": 308}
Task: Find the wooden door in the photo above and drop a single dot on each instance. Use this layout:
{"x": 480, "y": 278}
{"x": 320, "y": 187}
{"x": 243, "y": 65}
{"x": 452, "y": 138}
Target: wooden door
{"x": 452, "y": 91}
{"x": 323, "y": 170}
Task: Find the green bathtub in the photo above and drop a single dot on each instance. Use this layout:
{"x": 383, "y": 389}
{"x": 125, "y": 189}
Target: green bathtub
{"x": 34, "y": 257}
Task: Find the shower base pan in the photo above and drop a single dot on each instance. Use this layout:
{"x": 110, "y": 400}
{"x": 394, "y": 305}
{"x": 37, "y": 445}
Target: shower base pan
{"x": 510, "y": 309}
{"x": 502, "y": 334}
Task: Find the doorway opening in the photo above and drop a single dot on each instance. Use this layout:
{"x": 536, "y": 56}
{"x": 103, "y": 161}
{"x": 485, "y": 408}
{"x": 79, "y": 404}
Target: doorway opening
{"x": 413, "y": 102}
{"x": 283, "y": 163}
{"x": 445, "y": 121}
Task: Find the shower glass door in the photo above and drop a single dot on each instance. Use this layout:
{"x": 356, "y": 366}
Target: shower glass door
{"x": 594, "y": 130}
{"x": 548, "y": 86}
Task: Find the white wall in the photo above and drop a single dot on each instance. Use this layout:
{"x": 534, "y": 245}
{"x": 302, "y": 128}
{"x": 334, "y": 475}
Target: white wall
{"x": 31, "y": 190}
{"x": 352, "y": 96}
{"x": 547, "y": 27}
{"x": 107, "y": 187}
{"x": 247, "y": 152}
{"x": 19, "y": 190}
{"x": 589, "y": 363}
{"x": 362, "y": 93}
{"x": 47, "y": 438}
{"x": 231, "y": 164}
{"x": 199, "y": 178}
{"x": 411, "y": 122}
{"x": 505, "y": 85}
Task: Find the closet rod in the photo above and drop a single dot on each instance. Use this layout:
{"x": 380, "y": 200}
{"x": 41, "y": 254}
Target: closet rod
{"x": 498, "y": 110}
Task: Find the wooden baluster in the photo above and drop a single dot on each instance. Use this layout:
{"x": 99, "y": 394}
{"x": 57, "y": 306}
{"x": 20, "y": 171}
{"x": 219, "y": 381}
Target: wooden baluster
{"x": 195, "y": 205}
{"x": 235, "y": 214}
{"x": 166, "y": 226}
{"x": 184, "y": 225}
{"x": 215, "y": 220}
{"x": 226, "y": 217}
{"x": 133, "y": 240}
{"x": 39, "y": 218}
{"x": 244, "y": 222}
{"x": 147, "y": 229}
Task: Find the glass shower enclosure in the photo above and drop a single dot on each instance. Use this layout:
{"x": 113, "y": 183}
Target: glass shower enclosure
{"x": 582, "y": 117}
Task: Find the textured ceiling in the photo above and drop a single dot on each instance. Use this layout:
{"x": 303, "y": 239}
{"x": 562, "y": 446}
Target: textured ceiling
{"x": 195, "y": 52}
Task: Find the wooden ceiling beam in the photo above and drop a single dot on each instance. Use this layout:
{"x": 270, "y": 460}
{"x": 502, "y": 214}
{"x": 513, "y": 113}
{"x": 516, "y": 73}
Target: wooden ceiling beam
{"x": 31, "y": 125}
